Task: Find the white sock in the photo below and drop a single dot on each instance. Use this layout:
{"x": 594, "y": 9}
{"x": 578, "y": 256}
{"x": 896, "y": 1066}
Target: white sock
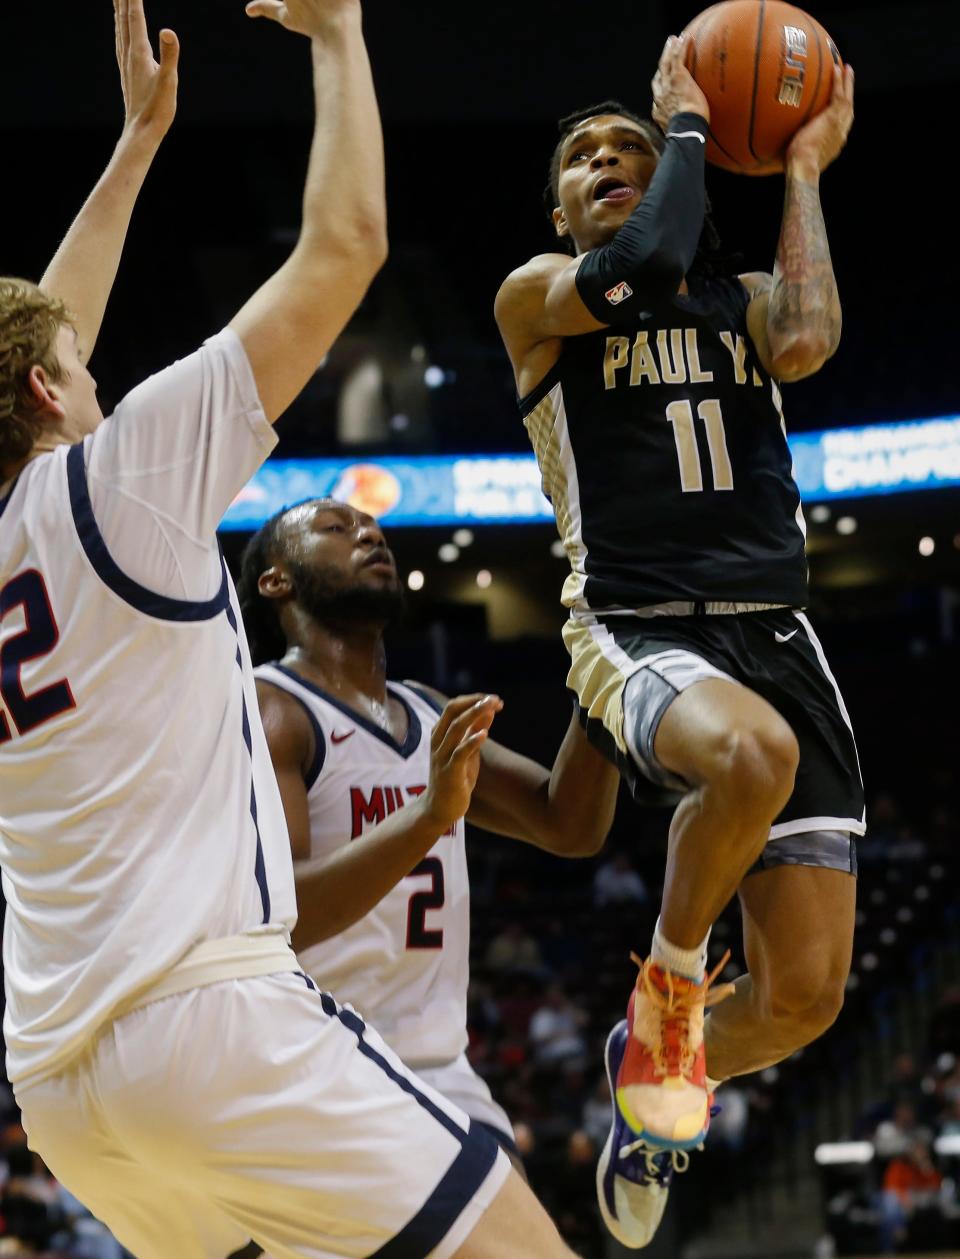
{"x": 690, "y": 963}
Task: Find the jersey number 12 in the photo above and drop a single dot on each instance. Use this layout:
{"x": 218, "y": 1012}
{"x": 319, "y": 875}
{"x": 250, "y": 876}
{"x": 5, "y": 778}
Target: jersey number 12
{"x": 38, "y": 638}
{"x": 680, "y": 415}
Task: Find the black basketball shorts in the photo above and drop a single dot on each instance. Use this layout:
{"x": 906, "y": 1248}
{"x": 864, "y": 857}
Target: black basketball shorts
{"x": 626, "y": 670}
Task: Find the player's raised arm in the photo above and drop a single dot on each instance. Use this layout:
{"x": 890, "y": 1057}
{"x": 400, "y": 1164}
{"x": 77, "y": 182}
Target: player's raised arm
{"x": 567, "y": 810}
{"x": 288, "y": 326}
{"x": 610, "y": 280}
{"x": 794, "y": 319}
{"x": 84, "y": 268}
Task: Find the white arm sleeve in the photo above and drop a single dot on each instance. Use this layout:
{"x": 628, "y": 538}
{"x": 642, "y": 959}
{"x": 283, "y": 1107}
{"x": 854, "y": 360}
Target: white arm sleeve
{"x": 164, "y": 468}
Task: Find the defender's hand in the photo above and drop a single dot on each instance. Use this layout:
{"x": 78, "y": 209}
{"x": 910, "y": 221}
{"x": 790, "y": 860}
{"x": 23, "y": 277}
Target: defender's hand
{"x": 149, "y": 88}
{"x": 306, "y": 17}
{"x": 455, "y": 748}
{"x": 675, "y": 90}
{"x": 821, "y": 140}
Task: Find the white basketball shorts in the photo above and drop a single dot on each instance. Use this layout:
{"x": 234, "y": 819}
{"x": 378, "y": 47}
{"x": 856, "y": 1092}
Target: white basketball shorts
{"x": 259, "y": 1108}
{"x": 460, "y": 1084}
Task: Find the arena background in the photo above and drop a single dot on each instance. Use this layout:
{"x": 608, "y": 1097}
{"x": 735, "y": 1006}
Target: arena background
{"x": 469, "y": 96}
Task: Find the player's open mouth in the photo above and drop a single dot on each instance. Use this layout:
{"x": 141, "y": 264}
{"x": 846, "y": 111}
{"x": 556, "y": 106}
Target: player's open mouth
{"x": 611, "y": 189}
{"x": 379, "y": 559}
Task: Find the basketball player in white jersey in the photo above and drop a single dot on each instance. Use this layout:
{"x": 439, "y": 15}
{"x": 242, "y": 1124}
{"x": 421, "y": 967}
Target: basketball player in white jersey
{"x": 174, "y": 1068}
{"x": 375, "y": 819}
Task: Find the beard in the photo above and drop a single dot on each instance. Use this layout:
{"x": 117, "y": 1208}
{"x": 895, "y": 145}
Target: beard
{"x": 329, "y": 603}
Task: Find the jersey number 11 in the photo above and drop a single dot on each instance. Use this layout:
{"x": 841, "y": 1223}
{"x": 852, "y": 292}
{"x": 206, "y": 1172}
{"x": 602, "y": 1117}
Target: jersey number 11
{"x": 680, "y": 415}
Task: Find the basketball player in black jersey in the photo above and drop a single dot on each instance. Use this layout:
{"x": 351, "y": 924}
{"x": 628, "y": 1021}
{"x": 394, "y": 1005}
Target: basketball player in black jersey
{"x": 649, "y": 386}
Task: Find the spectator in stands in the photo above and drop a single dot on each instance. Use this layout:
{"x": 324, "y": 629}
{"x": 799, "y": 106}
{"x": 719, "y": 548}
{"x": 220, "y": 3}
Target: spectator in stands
{"x": 84, "y": 1237}
{"x": 895, "y": 1136}
{"x": 944, "y": 1036}
{"x": 574, "y": 1204}
{"x": 514, "y": 949}
{"x": 950, "y": 1125}
{"x": 910, "y": 1183}
{"x": 483, "y": 1021}
{"x": 728, "y": 1131}
{"x": 885, "y": 823}
{"x": 906, "y": 1085}
{"x": 556, "y": 1030}
{"x": 29, "y": 1203}
{"x": 519, "y": 997}
{"x": 564, "y": 952}
{"x": 618, "y": 883}
{"x": 595, "y": 1117}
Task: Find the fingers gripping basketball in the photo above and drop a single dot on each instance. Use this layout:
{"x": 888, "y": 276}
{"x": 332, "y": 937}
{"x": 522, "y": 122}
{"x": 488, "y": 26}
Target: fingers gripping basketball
{"x": 766, "y": 68}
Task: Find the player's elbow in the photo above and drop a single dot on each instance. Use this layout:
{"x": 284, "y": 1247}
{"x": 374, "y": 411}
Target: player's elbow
{"x": 801, "y": 356}
{"x": 658, "y": 277}
{"x": 367, "y": 247}
{"x": 375, "y": 244}
{"x": 356, "y": 248}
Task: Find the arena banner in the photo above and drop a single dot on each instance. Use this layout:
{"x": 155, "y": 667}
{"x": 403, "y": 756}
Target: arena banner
{"x": 877, "y": 459}
{"x": 505, "y": 489}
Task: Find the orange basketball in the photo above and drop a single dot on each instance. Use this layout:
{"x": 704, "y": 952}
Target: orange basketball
{"x": 766, "y": 68}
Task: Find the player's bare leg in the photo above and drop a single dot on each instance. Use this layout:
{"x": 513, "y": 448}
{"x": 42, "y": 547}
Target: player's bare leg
{"x": 740, "y": 757}
{"x": 514, "y": 1224}
{"x": 798, "y": 939}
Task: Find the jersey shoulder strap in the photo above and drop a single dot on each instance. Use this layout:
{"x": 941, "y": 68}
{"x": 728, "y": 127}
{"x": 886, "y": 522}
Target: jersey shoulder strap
{"x": 285, "y": 681}
{"x": 422, "y": 693}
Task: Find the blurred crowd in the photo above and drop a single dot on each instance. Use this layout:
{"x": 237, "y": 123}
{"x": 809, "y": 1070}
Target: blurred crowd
{"x": 907, "y": 1191}
{"x": 38, "y": 1216}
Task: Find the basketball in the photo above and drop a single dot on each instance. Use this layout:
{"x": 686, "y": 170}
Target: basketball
{"x": 765, "y": 68}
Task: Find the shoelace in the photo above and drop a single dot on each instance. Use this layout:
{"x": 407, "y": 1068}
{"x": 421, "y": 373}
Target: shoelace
{"x": 674, "y": 1055}
{"x": 679, "y": 1159}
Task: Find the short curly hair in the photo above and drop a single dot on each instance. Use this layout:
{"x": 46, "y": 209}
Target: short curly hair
{"x": 29, "y": 323}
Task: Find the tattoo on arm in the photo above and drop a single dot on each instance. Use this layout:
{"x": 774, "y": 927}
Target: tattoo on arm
{"x": 804, "y": 296}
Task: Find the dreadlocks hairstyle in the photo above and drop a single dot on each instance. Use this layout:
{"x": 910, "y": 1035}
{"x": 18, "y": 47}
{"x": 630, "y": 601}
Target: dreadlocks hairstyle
{"x": 710, "y": 259}
{"x": 260, "y": 617}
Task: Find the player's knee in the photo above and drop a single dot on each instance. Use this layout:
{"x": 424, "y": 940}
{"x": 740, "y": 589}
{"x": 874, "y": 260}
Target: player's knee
{"x": 755, "y": 765}
{"x": 805, "y": 1002}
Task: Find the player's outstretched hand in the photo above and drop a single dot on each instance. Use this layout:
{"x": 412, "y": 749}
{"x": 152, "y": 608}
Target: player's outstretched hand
{"x": 306, "y": 17}
{"x": 821, "y": 140}
{"x": 455, "y": 749}
{"x": 149, "y": 88}
{"x": 674, "y": 89}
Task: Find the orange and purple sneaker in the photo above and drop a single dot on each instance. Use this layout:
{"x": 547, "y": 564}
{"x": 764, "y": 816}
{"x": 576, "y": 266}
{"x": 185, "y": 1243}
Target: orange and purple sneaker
{"x": 661, "y": 1087}
{"x": 633, "y": 1179}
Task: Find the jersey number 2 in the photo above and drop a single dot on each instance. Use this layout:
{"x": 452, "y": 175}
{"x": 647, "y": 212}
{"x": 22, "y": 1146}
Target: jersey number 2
{"x": 418, "y": 937}
{"x": 38, "y": 638}
{"x": 680, "y": 415}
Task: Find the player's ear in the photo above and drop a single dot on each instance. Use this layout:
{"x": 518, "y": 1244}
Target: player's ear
{"x": 44, "y": 393}
{"x": 274, "y": 583}
{"x": 560, "y": 224}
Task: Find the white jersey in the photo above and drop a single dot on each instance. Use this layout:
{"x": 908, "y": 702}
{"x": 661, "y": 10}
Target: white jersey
{"x": 139, "y": 813}
{"x": 405, "y": 966}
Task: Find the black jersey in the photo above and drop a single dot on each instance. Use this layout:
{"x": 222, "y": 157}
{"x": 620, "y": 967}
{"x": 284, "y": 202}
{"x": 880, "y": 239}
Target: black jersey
{"x": 663, "y": 450}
